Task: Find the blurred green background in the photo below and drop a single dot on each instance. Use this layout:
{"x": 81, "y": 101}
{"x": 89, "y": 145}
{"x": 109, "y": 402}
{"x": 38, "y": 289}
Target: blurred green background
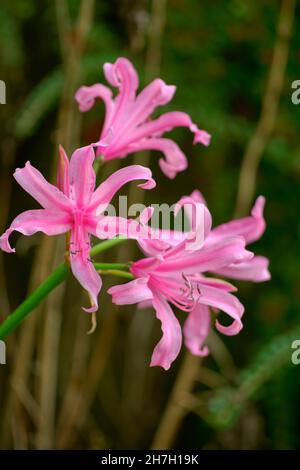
{"x": 64, "y": 389}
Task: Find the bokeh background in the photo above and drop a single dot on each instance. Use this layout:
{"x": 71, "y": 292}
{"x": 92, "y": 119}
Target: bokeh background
{"x": 64, "y": 389}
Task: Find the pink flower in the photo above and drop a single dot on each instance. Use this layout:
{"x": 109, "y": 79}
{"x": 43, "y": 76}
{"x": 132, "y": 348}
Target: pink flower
{"x": 174, "y": 275}
{"x": 127, "y": 127}
{"x": 73, "y": 206}
{"x": 251, "y": 228}
{"x": 177, "y": 276}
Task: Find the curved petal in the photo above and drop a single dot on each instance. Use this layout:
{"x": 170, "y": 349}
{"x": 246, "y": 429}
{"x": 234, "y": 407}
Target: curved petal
{"x": 166, "y": 351}
{"x": 188, "y": 202}
{"x": 175, "y": 160}
{"x": 157, "y": 93}
{"x": 122, "y": 75}
{"x": 108, "y": 227}
{"x": 208, "y": 258}
{"x": 63, "y": 179}
{"x": 251, "y": 227}
{"x": 106, "y": 191}
{"x": 82, "y": 175}
{"x": 132, "y": 292}
{"x": 228, "y": 303}
{"x": 40, "y": 220}
{"x": 199, "y": 217}
{"x": 255, "y": 270}
{"x": 82, "y": 267}
{"x": 49, "y": 196}
{"x": 196, "y": 329}
{"x": 86, "y": 96}
{"x": 166, "y": 123}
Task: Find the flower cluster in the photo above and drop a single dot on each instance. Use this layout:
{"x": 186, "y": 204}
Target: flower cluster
{"x": 173, "y": 271}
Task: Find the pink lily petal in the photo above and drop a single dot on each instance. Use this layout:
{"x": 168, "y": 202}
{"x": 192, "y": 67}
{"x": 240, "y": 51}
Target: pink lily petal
{"x": 157, "y": 93}
{"x": 251, "y": 227}
{"x": 213, "y": 282}
{"x": 63, "y": 179}
{"x": 196, "y": 329}
{"x": 199, "y": 217}
{"x": 188, "y": 202}
{"x": 210, "y": 258}
{"x": 228, "y": 303}
{"x": 82, "y": 267}
{"x": 168, "y": 348}
{"x": 40, "y": 220}
{"x": 255, "y": 270}
{"x": 106, "y": 191}
{"x": 131, "y": 293}
{"x": 175, "y": 159}
{"x": 49, "y": 196}
{"x": 82, "y": 175}
{"x": 122, "y": 74}
{"x": 86, "y": 95}
{"x": 166, "y": 123}
{"x": 110, "y": 227}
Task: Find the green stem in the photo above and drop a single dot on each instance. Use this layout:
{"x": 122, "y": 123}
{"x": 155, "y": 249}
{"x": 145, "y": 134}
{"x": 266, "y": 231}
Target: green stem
{"x": 55, "y": 278}
{"x": 117, "y": 272}
{"x": 111, "y": 266}
{"x": 103, "y": 246}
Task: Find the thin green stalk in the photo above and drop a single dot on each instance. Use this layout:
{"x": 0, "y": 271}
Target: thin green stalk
{"x": 55, "y": 278}
{"x": 103, "y": 246}
{"x": 116, "y": 272}
{"x": 111, "y": 266}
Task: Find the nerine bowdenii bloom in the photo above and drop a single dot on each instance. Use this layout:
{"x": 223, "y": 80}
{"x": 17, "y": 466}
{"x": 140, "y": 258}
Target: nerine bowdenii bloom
{"x": 127, "y": 126}
{"x": 175, "y": 275}
{"x": 75, "y": 206}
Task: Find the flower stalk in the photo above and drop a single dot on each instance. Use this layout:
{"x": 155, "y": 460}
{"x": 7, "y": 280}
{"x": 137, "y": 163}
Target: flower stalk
{"x": 56, "y": 278}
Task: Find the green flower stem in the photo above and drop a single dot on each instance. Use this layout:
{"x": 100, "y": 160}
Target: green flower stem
{"x": 116, "y": 272}
{"x": 103, "y": 246}
{"x": 55, "y": 278}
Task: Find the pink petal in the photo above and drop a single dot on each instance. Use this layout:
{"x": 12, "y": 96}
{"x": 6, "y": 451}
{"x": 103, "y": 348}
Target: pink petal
{"x": 49, "y": 196}
{"x": 40, "y": 220}
{"x": 175, "y": 159}
{"x": 106, "y": 191}
{"x": 166, "y": 123}
{"x": 196, "y": 329}
{"x": 86, "y": 95}
{"x": 251, "y": 227}
{"x": 255, "y": 270}
{"x": 82, "y": 267}
{"x": 168, "y": 348}
{"x": 157, "y": 93}
{"x": 213, "y": 282}
{"x": 209, "y": 258}
{"x": 228, "y": 303}
{"x": 131, "y": 293}
{"x": 82, "y": 175}
{"x": 199, "y": 217}
{"x": 63, "y": 180}
{"x": 110, "y": 227}
{"x": 121, "y": 74}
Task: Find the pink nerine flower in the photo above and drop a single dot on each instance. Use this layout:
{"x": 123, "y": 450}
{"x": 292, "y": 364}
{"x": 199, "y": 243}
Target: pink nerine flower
{"x": 127, "y": 127}
{"x": 177, "y": 276}
{"x": 74, "y": 206}
{"x": 251, "y": 228}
